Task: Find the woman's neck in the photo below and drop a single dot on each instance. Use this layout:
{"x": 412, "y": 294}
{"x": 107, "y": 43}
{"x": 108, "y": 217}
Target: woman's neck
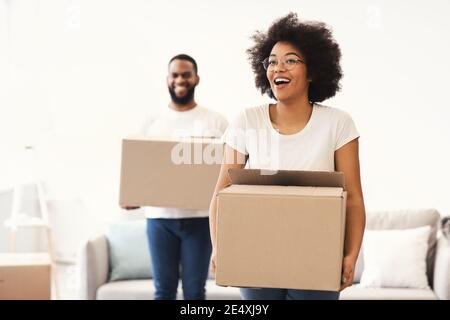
{"x": 287, "y": 114}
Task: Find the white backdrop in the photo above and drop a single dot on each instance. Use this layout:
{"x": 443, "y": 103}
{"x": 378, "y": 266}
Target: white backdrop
{"x": 77, "y": 75}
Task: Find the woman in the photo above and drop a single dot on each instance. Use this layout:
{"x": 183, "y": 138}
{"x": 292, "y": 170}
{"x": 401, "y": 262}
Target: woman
{"x": 297, "y": 64}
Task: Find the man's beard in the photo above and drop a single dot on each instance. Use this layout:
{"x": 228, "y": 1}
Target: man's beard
{"x": 184, "y": 99}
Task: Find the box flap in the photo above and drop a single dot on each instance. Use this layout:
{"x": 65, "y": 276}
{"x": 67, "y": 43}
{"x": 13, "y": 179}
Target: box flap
{"x": 258, "y": 190}
{"x": 287, "y": 178}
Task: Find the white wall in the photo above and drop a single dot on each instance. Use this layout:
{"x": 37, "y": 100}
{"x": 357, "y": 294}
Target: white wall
{"x": 86, "y": 72}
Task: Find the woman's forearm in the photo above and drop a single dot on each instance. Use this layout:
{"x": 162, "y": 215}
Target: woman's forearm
{"x": 354, "y": 226}
{"x": 212, "y": 219}
{"x": 232, "y": 160}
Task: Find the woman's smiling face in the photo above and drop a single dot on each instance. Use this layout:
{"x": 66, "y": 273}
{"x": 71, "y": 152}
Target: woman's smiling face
{"x": 287, "y": 72}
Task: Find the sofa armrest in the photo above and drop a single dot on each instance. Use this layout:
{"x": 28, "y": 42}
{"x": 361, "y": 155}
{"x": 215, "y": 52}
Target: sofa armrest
{"x": 441, "y": 281}
{"x": 93, "y": 262}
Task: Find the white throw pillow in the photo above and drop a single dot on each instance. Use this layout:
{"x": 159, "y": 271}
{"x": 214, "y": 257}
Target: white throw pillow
{"x": 395, "y": 258}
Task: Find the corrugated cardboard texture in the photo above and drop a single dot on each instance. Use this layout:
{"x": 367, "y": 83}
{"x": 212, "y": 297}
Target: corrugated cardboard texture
{"x": 150, "y": 178}
{"x": 25, "y": 276}
{"x": 280, "y": 236}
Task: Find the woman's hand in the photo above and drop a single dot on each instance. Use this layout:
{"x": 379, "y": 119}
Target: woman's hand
{"x": 347, "y": 162}
{"x": 348, "y": 272}
{"x": 129, "y": 207}
{"x": 213, "y": 261}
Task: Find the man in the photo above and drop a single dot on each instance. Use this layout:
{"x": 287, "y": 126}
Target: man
{"x": 180, "y": 237}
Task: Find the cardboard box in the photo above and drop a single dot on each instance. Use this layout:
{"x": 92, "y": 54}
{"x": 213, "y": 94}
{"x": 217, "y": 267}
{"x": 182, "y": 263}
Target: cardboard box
{"x": 169, "y": 173}
{"x": 25, "y": 276}
{"x": 284, "y": 230}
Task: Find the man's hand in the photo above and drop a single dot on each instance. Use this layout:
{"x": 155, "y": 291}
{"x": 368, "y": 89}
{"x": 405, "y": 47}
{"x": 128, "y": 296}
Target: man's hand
{"x": 129, "y": 207}
{"x": 348, "y": 272}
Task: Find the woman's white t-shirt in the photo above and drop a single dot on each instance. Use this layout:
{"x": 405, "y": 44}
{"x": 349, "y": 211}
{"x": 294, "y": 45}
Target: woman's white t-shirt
{"x": 312, "y": 148}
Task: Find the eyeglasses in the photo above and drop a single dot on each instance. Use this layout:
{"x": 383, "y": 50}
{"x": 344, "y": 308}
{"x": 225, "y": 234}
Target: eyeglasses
{"x": 289, "y": 62}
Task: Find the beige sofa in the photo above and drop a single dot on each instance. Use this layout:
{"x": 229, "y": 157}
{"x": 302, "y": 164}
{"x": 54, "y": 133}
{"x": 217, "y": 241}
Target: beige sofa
{"x": 94, "y": 266}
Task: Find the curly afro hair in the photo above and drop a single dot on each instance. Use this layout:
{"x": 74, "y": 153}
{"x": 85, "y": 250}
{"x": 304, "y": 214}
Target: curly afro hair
{"x": 315, "y": 42}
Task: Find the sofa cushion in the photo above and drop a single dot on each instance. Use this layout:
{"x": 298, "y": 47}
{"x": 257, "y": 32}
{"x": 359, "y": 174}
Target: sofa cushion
{"x": 144, "y": 290}
{"x": 128, "y": 251}
{"x": 395, "y": 258}
{"x": 126, "y": 290}
{"x": 356, "y": 292}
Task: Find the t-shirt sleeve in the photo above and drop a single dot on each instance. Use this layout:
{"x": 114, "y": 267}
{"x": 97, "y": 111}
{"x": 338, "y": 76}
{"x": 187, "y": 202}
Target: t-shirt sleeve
{"x": 346, "y": 130}
{"x": 234, "y": 135}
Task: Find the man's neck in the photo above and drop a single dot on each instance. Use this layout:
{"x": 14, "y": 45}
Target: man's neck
{"x": 183, "y": 107}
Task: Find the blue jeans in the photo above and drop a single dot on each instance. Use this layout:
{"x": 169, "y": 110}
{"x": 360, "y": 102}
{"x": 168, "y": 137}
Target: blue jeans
{"x": 287, "y": 294}
{"x": 176, "y": 243}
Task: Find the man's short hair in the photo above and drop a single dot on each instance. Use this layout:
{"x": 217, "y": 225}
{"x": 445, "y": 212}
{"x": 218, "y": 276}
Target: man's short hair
{"x": 187, "y": 58}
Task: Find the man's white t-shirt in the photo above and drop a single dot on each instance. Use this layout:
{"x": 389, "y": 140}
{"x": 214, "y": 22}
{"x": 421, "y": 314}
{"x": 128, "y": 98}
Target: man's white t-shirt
{"x": 168, "y": 123}
{"x": 312, "y": 148}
